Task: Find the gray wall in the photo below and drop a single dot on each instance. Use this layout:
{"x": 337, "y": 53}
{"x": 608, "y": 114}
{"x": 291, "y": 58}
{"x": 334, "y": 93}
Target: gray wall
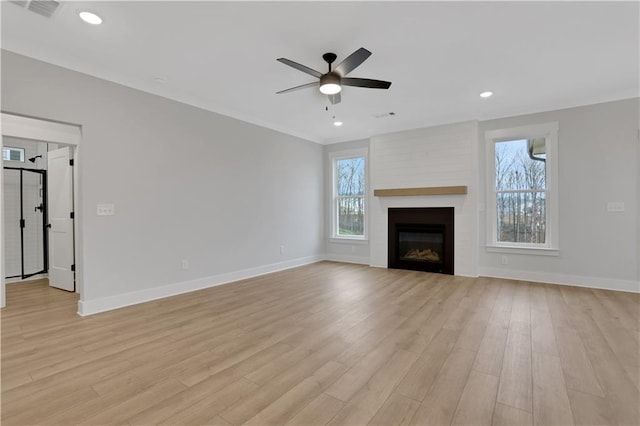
{"x": 186, "y": 183}
{"x": 597, "y": 163}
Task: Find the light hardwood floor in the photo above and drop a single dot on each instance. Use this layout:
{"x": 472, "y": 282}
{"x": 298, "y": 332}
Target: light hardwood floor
{"x": 327, "y": 343}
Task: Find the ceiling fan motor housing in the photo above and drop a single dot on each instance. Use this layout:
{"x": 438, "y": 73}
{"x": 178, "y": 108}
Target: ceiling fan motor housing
{"x": 330, "y": 83}
{"x": 330, "y": 78}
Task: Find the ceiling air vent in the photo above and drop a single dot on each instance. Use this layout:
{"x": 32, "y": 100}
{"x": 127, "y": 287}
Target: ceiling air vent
{"x": 45, "y": 8}
{"x": 384, "y": 114}
{"x": 21, "y": 3}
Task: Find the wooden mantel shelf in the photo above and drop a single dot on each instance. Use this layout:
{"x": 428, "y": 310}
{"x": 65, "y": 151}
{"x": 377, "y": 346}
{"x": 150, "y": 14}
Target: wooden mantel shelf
{"x": 429, "y": 190}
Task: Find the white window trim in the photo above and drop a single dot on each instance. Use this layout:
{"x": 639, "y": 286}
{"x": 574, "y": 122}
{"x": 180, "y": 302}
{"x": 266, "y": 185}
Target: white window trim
{"x": 550, "y": 132}
{"x": 333, "y": 158}
{"x": 11, "y": 148}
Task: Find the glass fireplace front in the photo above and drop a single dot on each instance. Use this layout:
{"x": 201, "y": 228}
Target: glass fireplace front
{"x": 421, "y": 244}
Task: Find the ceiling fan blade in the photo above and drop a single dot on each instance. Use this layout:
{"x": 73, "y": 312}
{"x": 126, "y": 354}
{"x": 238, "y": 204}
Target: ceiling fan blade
{"x": 366, "y": 82}
{"x": 335, "y": 99}
{"x": 302, "y": 86}
{"x": 352, "y": 61}
{"x": 300, "y": 67}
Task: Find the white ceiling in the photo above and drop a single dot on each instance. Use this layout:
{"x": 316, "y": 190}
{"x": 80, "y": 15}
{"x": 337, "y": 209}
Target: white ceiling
{"x": 221, "y": 56}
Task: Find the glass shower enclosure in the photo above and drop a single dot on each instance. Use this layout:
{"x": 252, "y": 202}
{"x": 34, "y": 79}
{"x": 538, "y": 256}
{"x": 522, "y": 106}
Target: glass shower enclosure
{"x": 25, "y": 222}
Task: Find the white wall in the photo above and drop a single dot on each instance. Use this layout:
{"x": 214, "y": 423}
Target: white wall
{"x": 598, "y": 163}
{"x": 437, "y": 156}
{"x": 186, "y": 184}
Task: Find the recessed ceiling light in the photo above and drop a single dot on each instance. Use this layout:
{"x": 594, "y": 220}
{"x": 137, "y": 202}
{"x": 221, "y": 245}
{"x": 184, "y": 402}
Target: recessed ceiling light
{"x": 486, "y": 94}
{"x": 90, "y": 18}
{"x": 337, "y": 123}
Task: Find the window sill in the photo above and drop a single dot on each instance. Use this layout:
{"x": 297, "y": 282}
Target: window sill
{"x": 347, "y": 240}
{"x": 536, "y": 251}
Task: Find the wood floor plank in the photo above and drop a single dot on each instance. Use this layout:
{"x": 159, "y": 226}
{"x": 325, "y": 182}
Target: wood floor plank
{"x": 578, "y": 371}
{"x": 285, "y": 408}
{"x": 550, "y": 399}
{"x": 319, "y": 412}
{"x": 397, "y": 410}
{"x": 591, "y": 410}
{"x": 516, "y": 387}
{"x": 205, "y": 410}
{"x": 491, "y": 351}
{"x": 365, "y": 404}
{"x": 543, "y": 338}
{"x": 357, "y": 376}
{"x": 326, "y": 343}
{"x": 520, "y": 321}
{"x": 509, "y": 416}
{"x": 618, "y": 388}
{"x": 440, "y": 404}
{"x": 478, "y": 400}
{"x": 248, "y": 407}
{"x": 423, "y": 373}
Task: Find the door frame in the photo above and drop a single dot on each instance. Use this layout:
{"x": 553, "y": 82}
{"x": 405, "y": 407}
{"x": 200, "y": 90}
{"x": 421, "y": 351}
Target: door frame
{"x": 42, "y": 130}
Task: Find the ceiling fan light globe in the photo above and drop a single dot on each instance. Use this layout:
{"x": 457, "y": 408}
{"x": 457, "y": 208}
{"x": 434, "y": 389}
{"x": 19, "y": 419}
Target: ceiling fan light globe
{"x": 330, "y": 88}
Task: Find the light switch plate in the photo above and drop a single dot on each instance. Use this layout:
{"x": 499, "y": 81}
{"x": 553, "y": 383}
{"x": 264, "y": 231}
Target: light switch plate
{"x": 106, "y": 209}
{"x": 615, "y": 206}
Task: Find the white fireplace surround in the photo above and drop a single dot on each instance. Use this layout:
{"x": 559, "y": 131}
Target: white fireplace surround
{"x": 436, "y": 156}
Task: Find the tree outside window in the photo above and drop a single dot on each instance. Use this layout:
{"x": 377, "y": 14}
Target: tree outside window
{"x": 521, "y": 191}
{"x": 350, "y": 196}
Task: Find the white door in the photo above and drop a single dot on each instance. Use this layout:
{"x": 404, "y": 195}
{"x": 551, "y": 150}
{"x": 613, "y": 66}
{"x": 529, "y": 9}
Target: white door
{"x": 60, "y": 207}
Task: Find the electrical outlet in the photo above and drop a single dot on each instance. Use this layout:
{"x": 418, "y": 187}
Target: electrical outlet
{"x": 505, "y": 260}
{"x": 281, "y": 249}
{"x": 185, "y": 264}
{"x": 105, "y": 209}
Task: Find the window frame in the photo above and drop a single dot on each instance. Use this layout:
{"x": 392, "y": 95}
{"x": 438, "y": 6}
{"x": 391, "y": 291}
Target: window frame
{"x": 14, "y": 148}
{"x": 334, "y": 157}
{"x": 549, "y": 131}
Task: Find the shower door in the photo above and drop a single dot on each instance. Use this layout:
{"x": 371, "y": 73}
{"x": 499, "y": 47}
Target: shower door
{"x": 25, "y": 213}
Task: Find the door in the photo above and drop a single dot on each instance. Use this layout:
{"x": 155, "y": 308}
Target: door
{"x": 60, "y": 206}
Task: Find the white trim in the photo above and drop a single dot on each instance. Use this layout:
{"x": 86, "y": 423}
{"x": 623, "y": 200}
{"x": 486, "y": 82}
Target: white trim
{"x": 536, "y": 251}
{"x": 360, "y": 260}
{"x": 90, "y": 307}
{"x": 26, "y": 280}
{"x": 40, "y": 130}
{"x": 349, "y": 240}
{"x": 550, "y": 132}
{"x": 563, "y": 279}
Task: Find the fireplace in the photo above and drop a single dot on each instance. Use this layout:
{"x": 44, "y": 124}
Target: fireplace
{"x": 421, "y": 239}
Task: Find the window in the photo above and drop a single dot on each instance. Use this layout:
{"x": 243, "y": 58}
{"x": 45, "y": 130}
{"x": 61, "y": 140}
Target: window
{"x": 522, "y": 188}
{"x": 349, "y": 189}
{"x": 13, "y": 154}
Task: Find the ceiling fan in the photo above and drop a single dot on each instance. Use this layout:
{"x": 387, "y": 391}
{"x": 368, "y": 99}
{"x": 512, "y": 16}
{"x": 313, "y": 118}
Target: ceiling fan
{"x": 331, "y": 82}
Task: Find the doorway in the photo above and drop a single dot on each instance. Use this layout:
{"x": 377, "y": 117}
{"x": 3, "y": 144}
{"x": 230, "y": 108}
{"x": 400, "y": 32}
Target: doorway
{"x": 61, "y": 152}
{"x": 25, "y": 222}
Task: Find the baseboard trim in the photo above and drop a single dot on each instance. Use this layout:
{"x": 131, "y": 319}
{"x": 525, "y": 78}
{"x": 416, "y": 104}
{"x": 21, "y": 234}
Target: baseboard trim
{"x": 563, "y": 279}
{"x": 26, "y": 280}
{"x": 347, "y": 259}
{"x": 90, "y": 307}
